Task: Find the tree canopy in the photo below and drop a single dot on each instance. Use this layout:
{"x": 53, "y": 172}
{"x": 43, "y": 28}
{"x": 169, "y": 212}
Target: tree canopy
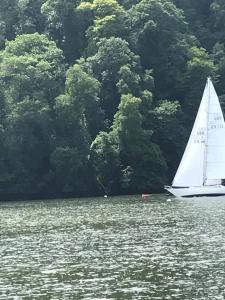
{"x": 100, "y": 96}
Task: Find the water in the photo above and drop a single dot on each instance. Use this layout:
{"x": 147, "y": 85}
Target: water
{"x": 113, "y": 248}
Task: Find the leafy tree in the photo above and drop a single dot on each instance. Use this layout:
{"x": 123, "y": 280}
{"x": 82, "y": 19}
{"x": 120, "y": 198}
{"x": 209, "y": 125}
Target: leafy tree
{"x": 218, "y": 10}
{"x": 127, "y": 3}
{"x": 127, "y": 154}
{"x": 65, "y": 26}
{"x": 200, "y": 20}
{"x": 143, "y": 165}
{"x": 112, "y": 55}
{"x": 30, "y": 18}
{"x": 32, "y": 71}
{"x": 129, "y": 82}
{"x": 108, "y": 19}
{"x": 32, "y": 66}
{"x": 20, "y": 17}
{"x": 8, "y": 20}
{"x": 169, "y": 133}
{"x": 218, "y": 56}
{"x": 106, "y": 161}
{"x": 159, "y": 35}
{"x": 84, "y": 89}
{"x": 78, "y": 118}
{"x": 199, "y": 67}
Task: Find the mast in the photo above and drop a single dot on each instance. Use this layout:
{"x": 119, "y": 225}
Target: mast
{"x": 206, "y": 134}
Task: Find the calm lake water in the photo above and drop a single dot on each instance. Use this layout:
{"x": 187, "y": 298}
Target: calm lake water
{"x": 113, "y": 248}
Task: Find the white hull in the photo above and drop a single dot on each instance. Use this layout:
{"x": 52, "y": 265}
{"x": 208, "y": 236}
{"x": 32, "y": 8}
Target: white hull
{"x": 195, "y": 191}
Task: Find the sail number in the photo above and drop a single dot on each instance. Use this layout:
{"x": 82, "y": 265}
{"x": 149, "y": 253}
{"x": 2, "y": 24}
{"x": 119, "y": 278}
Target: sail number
{"x": 216, "y": 121}
{"x": 199, "y": 137}
{"x": 216, "y": 126}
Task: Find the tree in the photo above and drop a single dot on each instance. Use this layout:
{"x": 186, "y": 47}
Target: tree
{"x": 32, "y": 66}
{"x": 218, "y": 11}
{"x": 32, "y": 72}
{"x": 159, "y": 35}
{"x": 199, "y": 67}
{"x": 78, "y": 118}
{"x": 129, "y": 82}
{"x": 30, "y": 18}
{"x": 112, "y": 55}
{"x": 108, "y": 19}
{"x": 200, "y": 20}
{"x": 84, "y": 89}
{"x": 106, "y": 161}
{"x": 8, "y": 20}
{"x": 169, "y": 132}
{"x": 143, "y": 165}
{"x": 65, "y": 27}
{"x": 218, "y": 56}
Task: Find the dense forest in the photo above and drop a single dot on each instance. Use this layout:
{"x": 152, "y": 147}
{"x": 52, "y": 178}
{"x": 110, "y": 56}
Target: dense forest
{"x": 99, "y": 96}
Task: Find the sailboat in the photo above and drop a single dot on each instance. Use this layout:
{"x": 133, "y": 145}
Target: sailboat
{"x": 202, "y": 168}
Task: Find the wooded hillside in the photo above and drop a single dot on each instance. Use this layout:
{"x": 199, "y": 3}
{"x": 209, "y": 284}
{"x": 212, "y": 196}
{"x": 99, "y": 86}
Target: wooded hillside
{"x": 99, "y": 97}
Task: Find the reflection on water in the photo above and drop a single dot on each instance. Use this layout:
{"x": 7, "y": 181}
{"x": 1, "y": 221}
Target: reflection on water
{"x": 114, "y": 248}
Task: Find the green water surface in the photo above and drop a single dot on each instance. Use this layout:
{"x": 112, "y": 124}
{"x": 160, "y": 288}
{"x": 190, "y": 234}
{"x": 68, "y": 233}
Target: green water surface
{"x": 113, "y": 248}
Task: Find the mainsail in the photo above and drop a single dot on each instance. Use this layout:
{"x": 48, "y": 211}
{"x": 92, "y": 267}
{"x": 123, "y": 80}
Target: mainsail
{"x": 203, "y": 162}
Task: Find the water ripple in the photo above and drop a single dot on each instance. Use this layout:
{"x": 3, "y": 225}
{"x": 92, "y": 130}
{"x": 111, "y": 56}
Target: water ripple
{"x": 119, "y": 248}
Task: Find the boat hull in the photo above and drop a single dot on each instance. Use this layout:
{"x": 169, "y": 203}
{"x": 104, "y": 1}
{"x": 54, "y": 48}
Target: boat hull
{"x": 195, "y": 191}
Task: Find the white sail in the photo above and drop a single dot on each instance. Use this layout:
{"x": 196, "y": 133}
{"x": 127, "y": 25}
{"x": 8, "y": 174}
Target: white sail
{"x": 215, "y": 158}
{"x": 203, "y": 161}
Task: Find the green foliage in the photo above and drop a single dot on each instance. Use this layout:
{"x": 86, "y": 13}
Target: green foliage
{"x": 8, "y": 20}
{"x": 102, "y": 8}
{"x": 30, "y": 17}
{"x": 112, "y": 54}
{"x": 109, "y": 19}
{"x": 106, "y": 161}
{"x": 143, "y": 166}
{"x": 129, "y": 81}
{"x": 70, "y": 169}
{"x": 100, "y": 96}
{"x": 218, "y": 56}
{"x": 71, "y": 147}
{"x": 200, "y": 19}
{"x": 84, "y": 91}
{"x": 199, "y": 67}
{"x": 169, "y": 132}
{"x": 108, "y": 64}
{"x": 31, "y": 70}
{"x": 31, "y": 66}
{"x": 159, "y": 33}
{"x": 64, "y": 25}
